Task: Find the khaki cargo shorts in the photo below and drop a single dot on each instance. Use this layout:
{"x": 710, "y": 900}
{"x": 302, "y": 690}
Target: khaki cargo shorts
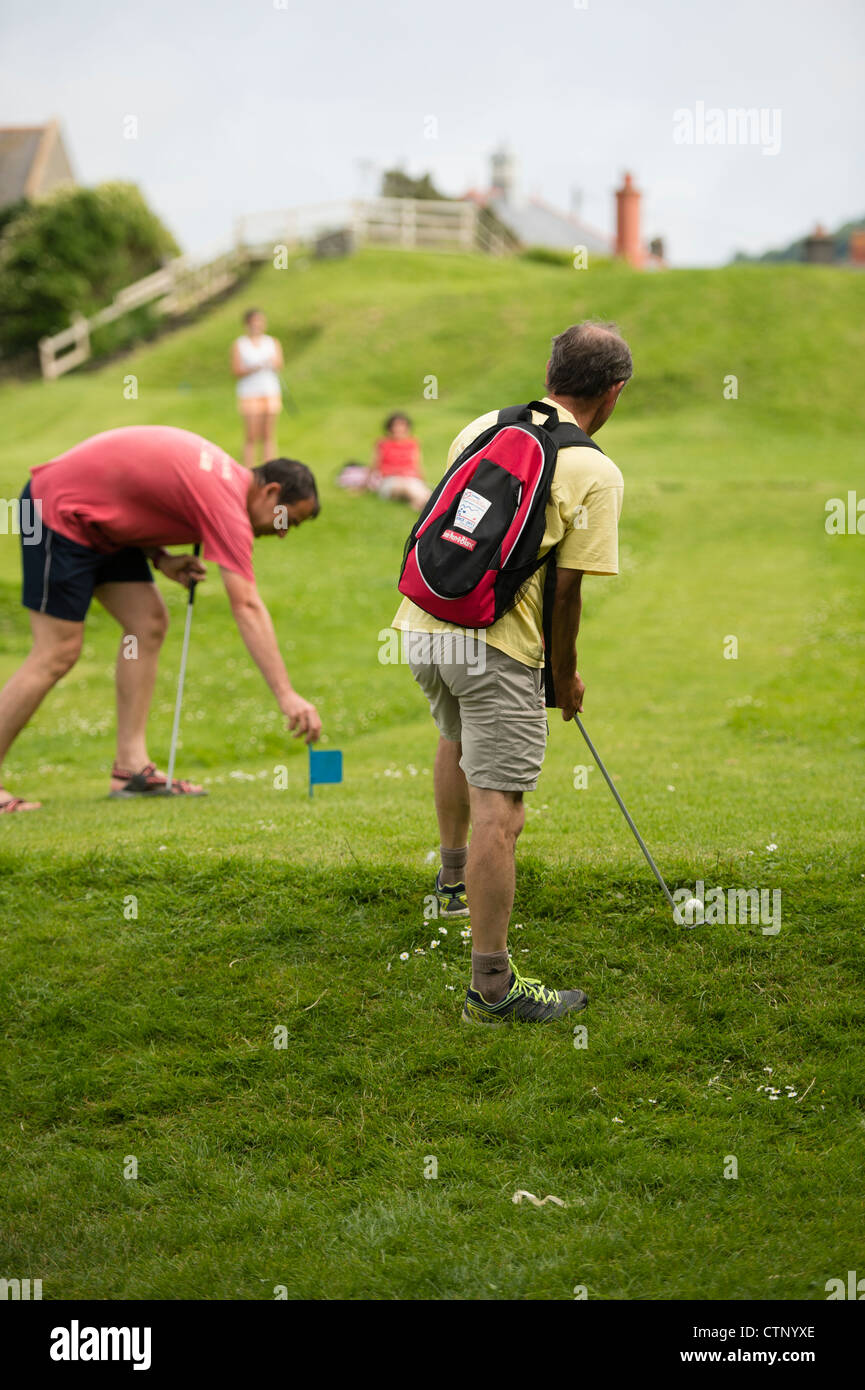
{"x": 490, "y": 703}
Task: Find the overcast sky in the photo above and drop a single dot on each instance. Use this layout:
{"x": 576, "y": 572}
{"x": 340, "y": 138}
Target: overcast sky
{"x": 246, "y": 105}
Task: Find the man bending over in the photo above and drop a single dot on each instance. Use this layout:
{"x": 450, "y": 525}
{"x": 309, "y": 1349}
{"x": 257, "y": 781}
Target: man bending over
{"x": 92, "y": 519}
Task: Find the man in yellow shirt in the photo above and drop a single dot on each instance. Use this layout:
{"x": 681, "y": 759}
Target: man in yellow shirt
{"x": 488, "y": 699}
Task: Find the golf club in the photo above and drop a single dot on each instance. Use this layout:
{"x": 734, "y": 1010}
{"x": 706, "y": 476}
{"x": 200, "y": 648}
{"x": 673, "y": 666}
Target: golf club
{"x": 624, "y": 810}
{"x": 176, "y": 730}
{"x": 288, "y": 397}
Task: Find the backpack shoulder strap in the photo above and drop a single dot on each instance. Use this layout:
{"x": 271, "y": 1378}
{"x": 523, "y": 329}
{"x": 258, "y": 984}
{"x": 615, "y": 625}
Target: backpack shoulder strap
{"x": 567, "y": 435}
{"x": 513, "y": 414}
{"x": 564, "y": 434}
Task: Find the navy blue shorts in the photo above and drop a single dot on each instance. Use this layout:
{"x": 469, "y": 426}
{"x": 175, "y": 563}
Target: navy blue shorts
{"x": 60, "y": 575}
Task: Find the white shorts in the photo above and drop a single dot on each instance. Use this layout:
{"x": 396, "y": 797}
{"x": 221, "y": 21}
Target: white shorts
{"x": 397, "y": 483}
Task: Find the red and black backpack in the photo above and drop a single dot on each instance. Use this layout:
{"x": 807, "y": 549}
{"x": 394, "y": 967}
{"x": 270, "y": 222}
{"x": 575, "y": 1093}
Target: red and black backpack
{"x": 475, "y": 545}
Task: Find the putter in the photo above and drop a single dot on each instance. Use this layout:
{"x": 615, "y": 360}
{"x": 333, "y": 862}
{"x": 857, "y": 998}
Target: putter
{"x": 176, "y": 730}
{"x": 624, "y": 810}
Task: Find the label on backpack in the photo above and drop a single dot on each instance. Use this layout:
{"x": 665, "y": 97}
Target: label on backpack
{"x": 458, "y": 540}
{"x": 472, "y": 509}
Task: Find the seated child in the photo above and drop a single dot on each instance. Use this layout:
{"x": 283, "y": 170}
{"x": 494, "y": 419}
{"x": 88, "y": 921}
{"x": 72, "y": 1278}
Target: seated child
{"x": 396, "y": 470}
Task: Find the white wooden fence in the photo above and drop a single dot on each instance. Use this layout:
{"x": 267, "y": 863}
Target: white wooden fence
{"x": 410, "y": 223}
{"x": 179, "y": 286}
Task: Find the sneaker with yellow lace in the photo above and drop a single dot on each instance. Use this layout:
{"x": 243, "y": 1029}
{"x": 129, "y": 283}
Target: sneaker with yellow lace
{"x": 451, "y": 897}
{"x": 527, "y": 1001}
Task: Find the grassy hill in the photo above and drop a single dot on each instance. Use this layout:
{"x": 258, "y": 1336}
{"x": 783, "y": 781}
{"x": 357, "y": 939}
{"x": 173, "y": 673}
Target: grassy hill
{"x": 260, "y": 909}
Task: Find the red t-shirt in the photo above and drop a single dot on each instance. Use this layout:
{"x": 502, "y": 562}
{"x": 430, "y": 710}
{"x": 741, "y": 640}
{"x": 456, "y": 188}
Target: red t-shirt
{"x": 145, "y": 486}
{"x": 398, "y": 458}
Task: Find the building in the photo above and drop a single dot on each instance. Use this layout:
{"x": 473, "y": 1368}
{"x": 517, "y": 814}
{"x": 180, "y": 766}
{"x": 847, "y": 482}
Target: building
{"x": 536, "y": 223}
{"x": 819, "y": 247}
{"x": 843, "y": 248}
{"x": 33, "y": 162}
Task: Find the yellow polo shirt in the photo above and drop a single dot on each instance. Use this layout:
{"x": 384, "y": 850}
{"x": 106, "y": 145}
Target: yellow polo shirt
{"x": 582, "y": 520}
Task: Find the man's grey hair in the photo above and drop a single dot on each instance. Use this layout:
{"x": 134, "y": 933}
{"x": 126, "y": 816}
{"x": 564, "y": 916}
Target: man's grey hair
{"x": 587, "y": 359}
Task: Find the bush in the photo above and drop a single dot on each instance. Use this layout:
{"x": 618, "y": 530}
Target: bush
{"x": 548, "y": 255}
{"x": 396, "y": 183}
{"x": 71, "y": 252}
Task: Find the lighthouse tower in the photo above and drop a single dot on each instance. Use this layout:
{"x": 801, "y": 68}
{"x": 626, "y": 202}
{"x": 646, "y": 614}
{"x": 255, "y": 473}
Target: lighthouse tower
{"x": 503, "y": 178}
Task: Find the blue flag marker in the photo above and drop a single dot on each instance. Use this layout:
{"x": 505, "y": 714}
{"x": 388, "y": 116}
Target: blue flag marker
{"x": 324, "y": 766}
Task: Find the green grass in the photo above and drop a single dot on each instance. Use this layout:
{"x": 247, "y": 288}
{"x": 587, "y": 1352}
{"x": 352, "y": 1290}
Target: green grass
{"x": 259, "y": 909}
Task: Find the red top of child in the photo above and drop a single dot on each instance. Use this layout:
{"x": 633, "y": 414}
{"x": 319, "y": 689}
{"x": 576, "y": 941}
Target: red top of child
{"x": 398, "y": 458}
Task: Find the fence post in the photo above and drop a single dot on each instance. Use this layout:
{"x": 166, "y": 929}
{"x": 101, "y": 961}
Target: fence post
{"x": 470, "y": 227}
{"x": 408, "y": 222}
{"x": 82, "y": 336}
{"x": 358, "y": 222}
{"x": 46, "y": 358}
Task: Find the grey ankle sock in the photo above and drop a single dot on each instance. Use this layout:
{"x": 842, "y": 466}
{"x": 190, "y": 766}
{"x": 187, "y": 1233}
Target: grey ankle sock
{"x": 454, "y": 864}
{"x": 491, "y": 974}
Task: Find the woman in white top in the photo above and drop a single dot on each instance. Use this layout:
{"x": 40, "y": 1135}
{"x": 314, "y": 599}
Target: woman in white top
{"x": 255, "y": 360}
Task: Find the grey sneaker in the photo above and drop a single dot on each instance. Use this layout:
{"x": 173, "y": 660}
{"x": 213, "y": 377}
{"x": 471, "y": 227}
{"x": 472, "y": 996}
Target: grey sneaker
{"x": 451, "y": 898}
{"x": 527, "y": 1001}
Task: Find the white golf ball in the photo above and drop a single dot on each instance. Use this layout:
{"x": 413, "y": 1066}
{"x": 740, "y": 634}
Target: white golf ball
{"x": 691, "y": 912}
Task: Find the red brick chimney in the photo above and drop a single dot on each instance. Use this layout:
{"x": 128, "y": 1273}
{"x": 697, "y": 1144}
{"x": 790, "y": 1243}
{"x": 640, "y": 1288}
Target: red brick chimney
{"x": 856, "y": 250}
{"x": 628, "y": 242}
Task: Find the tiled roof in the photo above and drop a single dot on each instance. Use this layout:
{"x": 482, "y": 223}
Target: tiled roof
{"x": 18, "y": 149}
{"x": 536, "y": 224}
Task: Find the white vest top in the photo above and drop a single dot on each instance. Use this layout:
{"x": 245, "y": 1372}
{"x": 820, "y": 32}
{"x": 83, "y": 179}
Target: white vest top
{"x": 263, "y": 382}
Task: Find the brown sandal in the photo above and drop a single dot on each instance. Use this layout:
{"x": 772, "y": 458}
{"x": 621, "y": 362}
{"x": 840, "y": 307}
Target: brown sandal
{"x": 17, "y": 803}
{"x": 149, "y": 782}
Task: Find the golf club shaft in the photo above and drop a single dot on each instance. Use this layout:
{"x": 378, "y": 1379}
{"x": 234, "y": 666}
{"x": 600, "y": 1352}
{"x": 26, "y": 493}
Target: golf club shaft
{"x": 175, "y": 733}
{"x": 624, "y": 810}
{"x": 289, "y": 399}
